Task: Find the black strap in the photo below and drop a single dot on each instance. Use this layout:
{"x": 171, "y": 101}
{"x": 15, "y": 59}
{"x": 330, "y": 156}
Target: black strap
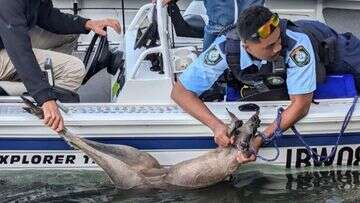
{"x": 234, "y": 65}
{"x": 322, "y": 56}
{"x": 232, "y": 51}
{"x": 271, "y": 95}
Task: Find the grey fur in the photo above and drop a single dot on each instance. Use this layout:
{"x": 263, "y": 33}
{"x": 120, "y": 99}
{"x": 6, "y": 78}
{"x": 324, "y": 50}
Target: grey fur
{"x": 130, "y": 168}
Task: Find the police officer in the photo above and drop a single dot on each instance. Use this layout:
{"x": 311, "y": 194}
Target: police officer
{"x": 273, "y": 54}
{"x": 19, "y": 60}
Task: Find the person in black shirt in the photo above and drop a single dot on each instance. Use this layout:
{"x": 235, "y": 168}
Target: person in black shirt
{"x": 18, "y": 59}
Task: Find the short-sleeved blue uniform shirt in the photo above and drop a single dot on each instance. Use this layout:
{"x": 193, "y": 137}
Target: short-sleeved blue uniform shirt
{"x": 208, "y": 67}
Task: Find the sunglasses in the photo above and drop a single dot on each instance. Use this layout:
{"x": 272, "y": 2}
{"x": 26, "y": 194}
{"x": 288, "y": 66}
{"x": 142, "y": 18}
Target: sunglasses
{"x": 264, "y": 31}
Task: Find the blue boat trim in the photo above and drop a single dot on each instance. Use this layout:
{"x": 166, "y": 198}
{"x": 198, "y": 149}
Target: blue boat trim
{"x": 159, "y": 143}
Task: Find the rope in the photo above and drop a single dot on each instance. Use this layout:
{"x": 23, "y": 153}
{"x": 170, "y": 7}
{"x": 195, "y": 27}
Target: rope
{"x": 314, "y": 155}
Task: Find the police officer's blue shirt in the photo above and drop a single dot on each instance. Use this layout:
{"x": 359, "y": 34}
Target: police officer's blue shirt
{"x": 300, "y": 61}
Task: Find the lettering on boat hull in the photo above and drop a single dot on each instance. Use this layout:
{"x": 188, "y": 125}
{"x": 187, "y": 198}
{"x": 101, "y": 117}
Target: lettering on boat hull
{"x": 46, "y": 160}
{"x": 344, "y": 156}
{"x": 294, "y": 157}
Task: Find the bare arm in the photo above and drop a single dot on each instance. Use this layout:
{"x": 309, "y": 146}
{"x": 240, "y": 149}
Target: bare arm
{"x": 196, "y": 108}
{"x": 299, "y": 107}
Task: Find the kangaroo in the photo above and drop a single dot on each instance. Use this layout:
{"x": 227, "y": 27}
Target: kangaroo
{"x": 130, "y": 168}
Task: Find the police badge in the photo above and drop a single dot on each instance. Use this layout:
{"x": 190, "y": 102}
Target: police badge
{"x": 212, "y": 57}
{"x": 300, "y": 56}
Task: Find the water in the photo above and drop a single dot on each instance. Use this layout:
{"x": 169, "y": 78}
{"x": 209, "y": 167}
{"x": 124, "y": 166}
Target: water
{"x": 252, "y": 184}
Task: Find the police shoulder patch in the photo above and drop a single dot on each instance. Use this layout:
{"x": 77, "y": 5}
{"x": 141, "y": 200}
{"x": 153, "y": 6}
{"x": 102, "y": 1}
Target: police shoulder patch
{"x": 300, "y": 56}
{"x": 212, "y": 56}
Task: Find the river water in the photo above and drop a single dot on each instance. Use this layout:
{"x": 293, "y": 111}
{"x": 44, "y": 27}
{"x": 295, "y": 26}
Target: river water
{"x": 252, "y": 184}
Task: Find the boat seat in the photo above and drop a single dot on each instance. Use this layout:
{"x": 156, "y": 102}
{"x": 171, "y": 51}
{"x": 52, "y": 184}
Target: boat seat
{"x": 336, "y": 86}
{"x": 343, "y": 20}
{"x": 195, "y": 15}
{"x": 14, "y": 88}
{"x": 195, "y": 21}
{"x": 192, "y": 23}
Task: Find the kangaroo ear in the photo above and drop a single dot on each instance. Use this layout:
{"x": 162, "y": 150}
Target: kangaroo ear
{"x": 256, "y": 115}
{"x": 235, "y": 121}
{"x": 232, "y": 116}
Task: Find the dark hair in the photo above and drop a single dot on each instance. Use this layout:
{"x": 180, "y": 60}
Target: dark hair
{"x": 250, "y": 20}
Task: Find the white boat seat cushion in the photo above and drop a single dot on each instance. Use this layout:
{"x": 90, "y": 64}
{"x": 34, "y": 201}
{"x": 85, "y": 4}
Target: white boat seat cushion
{"x": 195, "y": 15}
{"x": 13, "y": 88}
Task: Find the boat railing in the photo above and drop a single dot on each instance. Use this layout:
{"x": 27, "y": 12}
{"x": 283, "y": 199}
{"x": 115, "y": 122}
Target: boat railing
{"x": 163, "y": 48}
{"x": 139, "y": 79}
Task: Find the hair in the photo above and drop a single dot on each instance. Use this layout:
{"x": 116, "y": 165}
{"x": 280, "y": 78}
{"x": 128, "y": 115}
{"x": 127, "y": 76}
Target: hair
{"x": 250, "y": 20}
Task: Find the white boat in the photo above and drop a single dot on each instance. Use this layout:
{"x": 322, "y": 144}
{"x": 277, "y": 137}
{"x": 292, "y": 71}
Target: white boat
{"x": 144, "y": 116}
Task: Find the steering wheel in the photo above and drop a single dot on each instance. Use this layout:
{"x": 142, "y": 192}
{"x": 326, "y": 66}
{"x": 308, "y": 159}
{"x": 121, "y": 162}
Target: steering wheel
{"x": 103, "y": 58}
{"x": 91, "y": 47}
{"x": 94, "y": 63}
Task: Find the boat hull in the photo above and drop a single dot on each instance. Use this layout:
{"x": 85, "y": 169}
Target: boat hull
{"x": 54, "y": 153}
{"x": 169, "y": 134}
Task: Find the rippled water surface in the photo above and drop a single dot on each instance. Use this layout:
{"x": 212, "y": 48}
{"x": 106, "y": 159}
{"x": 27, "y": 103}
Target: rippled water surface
{"x": 252, "y": 184}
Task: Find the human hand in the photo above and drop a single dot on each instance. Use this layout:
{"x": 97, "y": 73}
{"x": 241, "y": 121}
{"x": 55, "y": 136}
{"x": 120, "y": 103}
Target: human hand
{"x": 241, "y": 158}
{"x": 221, "y": 135}
{"x": 52, "y": 116}
{"x": 246, "y": 157}
{"x": 98, "y": 25}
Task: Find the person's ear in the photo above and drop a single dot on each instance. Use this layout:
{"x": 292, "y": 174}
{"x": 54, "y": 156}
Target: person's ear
{"x": 246, "y": 47}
